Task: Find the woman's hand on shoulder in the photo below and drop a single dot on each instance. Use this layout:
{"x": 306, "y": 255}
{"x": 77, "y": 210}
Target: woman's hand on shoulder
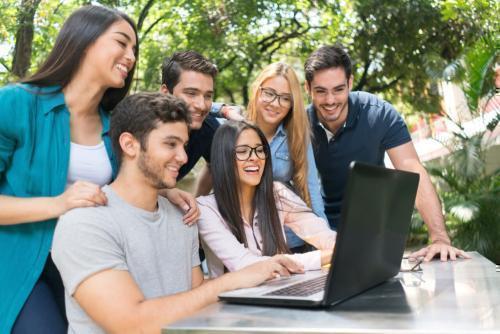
{"x": 185, "y": 201}
{"x": 79, "y": 195}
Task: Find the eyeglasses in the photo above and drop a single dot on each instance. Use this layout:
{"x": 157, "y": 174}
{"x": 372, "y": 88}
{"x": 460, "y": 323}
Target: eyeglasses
{"x": 244, "y": 152}
{"x": 411, "y": 266}
{"x": 268, "y": 95}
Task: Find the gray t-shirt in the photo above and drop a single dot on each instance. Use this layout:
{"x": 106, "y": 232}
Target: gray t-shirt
{"x": 156, "y": 248}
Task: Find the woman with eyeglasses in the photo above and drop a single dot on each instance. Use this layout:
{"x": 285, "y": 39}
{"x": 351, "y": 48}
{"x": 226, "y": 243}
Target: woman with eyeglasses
{"x": 243, "y": 221}
{"x": 276, "y": 105}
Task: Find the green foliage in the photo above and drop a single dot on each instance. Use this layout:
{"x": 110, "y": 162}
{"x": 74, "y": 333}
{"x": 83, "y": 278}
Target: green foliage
{"x": 8, "y": 25}
{"x": 395, "y": 45}
{"x": 398, "y": 44}
{"x": 471, "y": 198}
{"x": 48, "y": 21}
{"x": 399, "y": 49}
{"x": 470, "y": 195}
{"x": 473, "y": 67}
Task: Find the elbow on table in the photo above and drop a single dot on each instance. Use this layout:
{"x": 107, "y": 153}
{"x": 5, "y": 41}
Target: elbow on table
{"x": 137, "y": 320}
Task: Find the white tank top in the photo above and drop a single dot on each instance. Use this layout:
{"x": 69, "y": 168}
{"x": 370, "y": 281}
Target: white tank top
{"x": 89, "y": 163}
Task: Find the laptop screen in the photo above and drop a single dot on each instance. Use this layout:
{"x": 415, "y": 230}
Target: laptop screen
{"x": 375, "y": 220}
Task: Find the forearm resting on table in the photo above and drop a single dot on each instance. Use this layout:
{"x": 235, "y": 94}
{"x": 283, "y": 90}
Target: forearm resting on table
{"x": 114, "y": 301}
{"x": 429, "y": 207}
{"x": 404, "y": 157}
{"x": 18, "y": 210}
{"x": 180, "y": 305}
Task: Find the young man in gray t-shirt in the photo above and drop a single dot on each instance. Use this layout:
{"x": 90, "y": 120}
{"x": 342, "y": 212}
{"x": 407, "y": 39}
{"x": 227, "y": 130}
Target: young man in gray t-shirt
{"x": 132, "y": 265}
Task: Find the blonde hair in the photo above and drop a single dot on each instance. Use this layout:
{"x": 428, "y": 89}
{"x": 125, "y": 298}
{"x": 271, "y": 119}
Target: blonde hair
{"x": 296, "y": 123}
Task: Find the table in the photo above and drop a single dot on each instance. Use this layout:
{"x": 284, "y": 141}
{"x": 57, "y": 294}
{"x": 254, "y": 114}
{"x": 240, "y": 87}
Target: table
{"x": 446, "y": 297}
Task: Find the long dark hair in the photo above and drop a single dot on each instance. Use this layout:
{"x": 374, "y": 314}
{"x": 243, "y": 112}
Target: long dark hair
{"x": 227, "y": 192}
{"x": 80, "y": 30}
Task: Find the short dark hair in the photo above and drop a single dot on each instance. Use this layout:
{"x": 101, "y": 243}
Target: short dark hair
{"x": 327, "y": 56}
{"x": 188, "y": 61}
{"x": 139, "y": 114}
{"x": 80, "y": 30}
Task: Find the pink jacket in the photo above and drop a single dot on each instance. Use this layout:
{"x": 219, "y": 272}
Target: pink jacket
{"x": 223, "y": 249}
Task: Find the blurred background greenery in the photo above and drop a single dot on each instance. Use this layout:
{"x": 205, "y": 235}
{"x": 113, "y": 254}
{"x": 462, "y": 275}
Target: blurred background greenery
{"x": 403, "y": 50}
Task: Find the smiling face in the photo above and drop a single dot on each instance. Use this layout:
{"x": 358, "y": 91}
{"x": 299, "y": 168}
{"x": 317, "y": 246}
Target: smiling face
{"x": 164, "y": 154}
{"x": 197, "y": 90}
{"x": 111, "y": 57}
{"x": 250, "y": 158}
{"x": 329, "y": 91}
{"x": 273, "y": 113}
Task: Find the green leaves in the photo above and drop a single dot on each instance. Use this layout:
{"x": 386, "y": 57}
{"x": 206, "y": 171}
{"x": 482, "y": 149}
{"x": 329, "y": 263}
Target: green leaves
{"x": 397, "y": 46}
{"x": 471, "y": 192}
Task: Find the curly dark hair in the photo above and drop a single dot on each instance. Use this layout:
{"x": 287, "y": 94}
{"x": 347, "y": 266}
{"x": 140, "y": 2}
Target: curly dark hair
{"x": 139, "y": 114}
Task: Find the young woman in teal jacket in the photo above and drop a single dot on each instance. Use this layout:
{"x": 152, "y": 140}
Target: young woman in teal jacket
{"x": 55, "y": 155}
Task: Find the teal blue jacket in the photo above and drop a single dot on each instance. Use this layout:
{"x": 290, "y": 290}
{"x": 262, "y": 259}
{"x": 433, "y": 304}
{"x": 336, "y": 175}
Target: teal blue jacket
{"x": 34, "y": 158}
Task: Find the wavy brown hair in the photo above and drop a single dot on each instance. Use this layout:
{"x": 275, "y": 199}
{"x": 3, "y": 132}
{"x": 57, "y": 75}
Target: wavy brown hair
{"x": 295, "y": 123}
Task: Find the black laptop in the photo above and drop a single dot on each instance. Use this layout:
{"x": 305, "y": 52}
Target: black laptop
{"x": 375, "y": 221}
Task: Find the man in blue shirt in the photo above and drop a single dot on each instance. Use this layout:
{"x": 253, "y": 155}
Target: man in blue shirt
{"x": 350, "y": 126}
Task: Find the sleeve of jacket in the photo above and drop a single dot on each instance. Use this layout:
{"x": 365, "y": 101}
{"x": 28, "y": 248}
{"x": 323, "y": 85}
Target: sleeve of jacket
{"x": 10, "y": 124}
{"x": 309, "y": 227}
{"x": 217, "y": 236}
{"x": 314, "y": 185}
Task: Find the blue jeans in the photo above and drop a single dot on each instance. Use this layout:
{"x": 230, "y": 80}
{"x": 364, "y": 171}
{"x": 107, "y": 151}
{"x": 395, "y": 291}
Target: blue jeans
{"x": 44, "y": 310}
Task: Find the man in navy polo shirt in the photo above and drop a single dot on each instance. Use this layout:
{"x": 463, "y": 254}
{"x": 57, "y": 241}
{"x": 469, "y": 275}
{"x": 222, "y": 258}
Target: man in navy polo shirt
{"x": 350, "y": 126}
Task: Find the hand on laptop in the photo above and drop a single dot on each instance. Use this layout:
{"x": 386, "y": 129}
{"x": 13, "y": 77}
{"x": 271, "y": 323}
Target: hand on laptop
{"x": 439, "y": 249}
{"x": 326, "y": 257}
{"x": 259, "y": 272}
{"x": 285, "y": 266}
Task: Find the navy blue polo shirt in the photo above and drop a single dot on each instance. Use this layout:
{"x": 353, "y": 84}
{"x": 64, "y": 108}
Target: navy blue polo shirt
{"x": 372, "y": 127}
{"x": 199, "y": 144}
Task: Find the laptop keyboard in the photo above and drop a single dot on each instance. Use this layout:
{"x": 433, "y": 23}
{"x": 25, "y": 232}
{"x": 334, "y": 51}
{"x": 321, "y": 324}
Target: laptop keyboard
{"x": 301, "y": 289}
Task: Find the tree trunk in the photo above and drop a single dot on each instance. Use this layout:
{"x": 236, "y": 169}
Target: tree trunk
{"x": 24, "y": 37}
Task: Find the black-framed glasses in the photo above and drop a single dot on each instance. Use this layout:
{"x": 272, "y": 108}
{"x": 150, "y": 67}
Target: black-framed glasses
{"x": 244, "y": 152}
{"x": 268, "y": 95}
{"x": 411, "y": 267}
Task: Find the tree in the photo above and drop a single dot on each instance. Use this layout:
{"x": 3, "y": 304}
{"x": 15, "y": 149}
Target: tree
{"x": 396, "y": 43}
{"x": 24, "y": 37}
{"x": 8, "y": 26}
{"x": 239, "y": 36}
{"x": 397, "y": 46}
